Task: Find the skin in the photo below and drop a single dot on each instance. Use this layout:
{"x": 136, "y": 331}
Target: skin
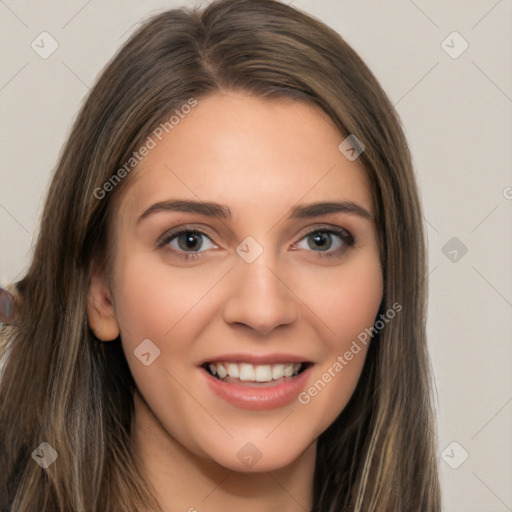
{"x": 260, "y": 157}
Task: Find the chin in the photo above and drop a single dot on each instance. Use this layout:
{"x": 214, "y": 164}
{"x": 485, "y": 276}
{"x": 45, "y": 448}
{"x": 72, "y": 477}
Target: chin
{"x": 248, "y": 458}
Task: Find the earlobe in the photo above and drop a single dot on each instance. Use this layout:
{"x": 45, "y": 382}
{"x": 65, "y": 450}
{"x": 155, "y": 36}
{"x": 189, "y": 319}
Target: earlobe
{"x": 100, "y": 312}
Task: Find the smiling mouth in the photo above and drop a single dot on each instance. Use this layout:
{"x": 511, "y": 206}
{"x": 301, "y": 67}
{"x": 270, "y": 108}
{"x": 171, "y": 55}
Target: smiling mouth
{"x": 254, "y": 373}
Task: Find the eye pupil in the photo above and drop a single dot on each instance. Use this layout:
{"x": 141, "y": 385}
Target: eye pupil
{"x": 320, "y": 239}
{"x": 189, "y": 241}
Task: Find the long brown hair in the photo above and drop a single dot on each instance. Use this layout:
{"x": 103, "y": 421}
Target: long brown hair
{"x": 61, "y": 386}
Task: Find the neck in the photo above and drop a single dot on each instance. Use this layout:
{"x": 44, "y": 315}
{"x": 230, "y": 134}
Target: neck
{"x": 185, "y": 482}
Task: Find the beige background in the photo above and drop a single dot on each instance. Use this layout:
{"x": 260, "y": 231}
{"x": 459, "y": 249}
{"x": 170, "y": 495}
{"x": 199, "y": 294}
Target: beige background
{"x": 457, "y": 116}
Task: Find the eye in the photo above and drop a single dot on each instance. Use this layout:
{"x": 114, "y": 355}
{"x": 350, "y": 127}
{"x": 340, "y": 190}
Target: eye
{"x": 328, "y": 241}
{"x": 189, "y": 241}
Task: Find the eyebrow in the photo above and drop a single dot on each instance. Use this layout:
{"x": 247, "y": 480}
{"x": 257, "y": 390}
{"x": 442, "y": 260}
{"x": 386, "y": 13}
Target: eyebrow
{"x": 223, "y": 212}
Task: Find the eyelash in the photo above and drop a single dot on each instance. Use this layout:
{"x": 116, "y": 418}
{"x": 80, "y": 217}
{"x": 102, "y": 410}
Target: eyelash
{"x": 347, "y": 239}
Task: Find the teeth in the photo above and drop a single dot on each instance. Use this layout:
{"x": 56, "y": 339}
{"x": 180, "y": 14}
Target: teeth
{"x": 254, "y": 373}
{"x": 221, "y": 371}
{"x": 277, "y": 371}
{"x": 288, "y": 370}
{"x": 247, "y": 372}
{"x": 233, "y": 371}
{"x": 264, "y": 373}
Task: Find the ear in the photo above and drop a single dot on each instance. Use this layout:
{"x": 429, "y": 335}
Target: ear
{"x": 7, "y": 306}
{"x": 100, "y": 311}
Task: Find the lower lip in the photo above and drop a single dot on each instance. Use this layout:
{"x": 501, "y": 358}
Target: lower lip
{"x": 258, "y": 398}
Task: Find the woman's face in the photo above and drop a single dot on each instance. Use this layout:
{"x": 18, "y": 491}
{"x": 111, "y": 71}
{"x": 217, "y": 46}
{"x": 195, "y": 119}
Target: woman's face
{"x": 267, "y": 282}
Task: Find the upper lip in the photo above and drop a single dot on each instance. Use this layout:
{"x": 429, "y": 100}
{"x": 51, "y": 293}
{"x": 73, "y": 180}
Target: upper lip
{"x": 257, "y": 359}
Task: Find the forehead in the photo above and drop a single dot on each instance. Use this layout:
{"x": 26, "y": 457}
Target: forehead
{"x": 250, "y": 153}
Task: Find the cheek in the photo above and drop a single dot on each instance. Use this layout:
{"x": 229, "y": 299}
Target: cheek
{"x": 345, "y": 298}
{"x": 354, "y": 306}
{"x": 154, "y": 304}
{"x": 169, "y": 308}
{"x": 347, "y": 309}
{"x": 151, "y": 300}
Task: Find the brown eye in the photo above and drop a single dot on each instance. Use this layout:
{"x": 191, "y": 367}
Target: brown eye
{"x": 320, "y": 240}
{"x": 189, "y": 241}
{"x": 328, "y": 241}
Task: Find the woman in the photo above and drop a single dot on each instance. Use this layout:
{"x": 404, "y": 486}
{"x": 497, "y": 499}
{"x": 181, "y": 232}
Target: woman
{"x": 226, "y": 305}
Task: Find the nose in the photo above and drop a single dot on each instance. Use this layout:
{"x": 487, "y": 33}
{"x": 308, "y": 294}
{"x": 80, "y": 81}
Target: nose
{"x": 259, "y": 297}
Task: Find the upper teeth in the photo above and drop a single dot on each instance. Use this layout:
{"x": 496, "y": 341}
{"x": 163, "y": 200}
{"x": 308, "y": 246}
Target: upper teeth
{"x": 254, "y": 372}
